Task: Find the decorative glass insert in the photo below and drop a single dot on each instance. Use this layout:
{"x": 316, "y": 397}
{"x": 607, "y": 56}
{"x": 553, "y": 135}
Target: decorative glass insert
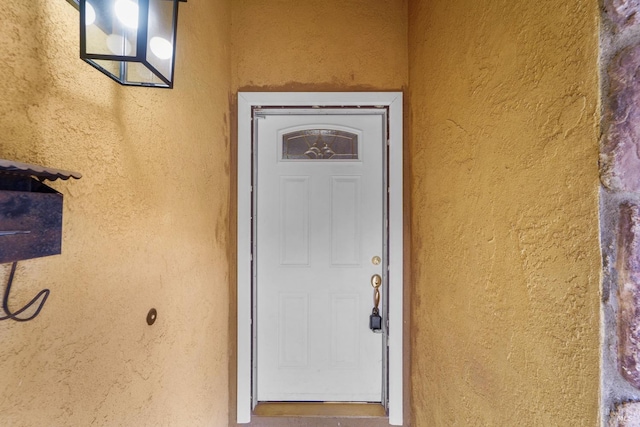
{"x": 320, "y": 144}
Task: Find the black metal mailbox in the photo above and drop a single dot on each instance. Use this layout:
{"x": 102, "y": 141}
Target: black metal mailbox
{"x": 30, "y": 211}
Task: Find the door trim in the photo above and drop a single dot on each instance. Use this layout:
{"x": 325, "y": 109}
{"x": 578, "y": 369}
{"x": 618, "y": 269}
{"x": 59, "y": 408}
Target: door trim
{"x": 246, "y": 102}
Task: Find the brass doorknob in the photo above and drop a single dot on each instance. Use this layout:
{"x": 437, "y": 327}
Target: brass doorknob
{"x": 376, "y": 281}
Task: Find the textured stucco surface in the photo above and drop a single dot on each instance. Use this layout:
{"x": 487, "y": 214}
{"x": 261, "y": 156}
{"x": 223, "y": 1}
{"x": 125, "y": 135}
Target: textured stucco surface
{"x": 505, "y": 250}
{"x": 501, "y": 178}
{"x": 319, "y": 45}
{"x": 145, "y": 227}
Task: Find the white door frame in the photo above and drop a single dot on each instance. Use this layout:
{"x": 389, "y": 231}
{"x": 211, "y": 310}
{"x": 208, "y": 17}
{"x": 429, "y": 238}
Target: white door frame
{"x": 246, "y": 102}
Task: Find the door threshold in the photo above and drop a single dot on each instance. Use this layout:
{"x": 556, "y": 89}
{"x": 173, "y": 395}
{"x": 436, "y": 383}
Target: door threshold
{"x": 319, "y": 409}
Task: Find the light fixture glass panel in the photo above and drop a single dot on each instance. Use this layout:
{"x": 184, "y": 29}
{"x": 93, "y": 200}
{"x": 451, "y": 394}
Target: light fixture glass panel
{"x": 107, "y": 34}
{"x": 138, "y": 72}
{"x": 90, "y": 15}
{"x": 162, "y": 48}
{"x": 111, "y": 67}
{"x": 160, "y": 38}
{"x": 119, "y": 45}
{"x": 127, "y": 12}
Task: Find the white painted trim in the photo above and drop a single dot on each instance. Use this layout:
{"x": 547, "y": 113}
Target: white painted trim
{"x": 247, "y": 100}
{"x": 395, "y": 263}
{"x": 244, "y": 261}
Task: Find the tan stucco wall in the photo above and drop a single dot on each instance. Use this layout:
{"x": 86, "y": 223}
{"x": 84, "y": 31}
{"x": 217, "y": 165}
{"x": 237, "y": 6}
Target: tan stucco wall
{"x": 504, "y": 111}
{"x": 319, "y": 45}
{"x": 502, "y": 178}
{"x": 145, "y": 227}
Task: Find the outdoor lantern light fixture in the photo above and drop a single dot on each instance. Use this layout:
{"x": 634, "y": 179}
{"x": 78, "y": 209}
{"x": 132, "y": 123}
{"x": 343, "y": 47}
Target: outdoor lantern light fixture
{"x": 131, "y": 41}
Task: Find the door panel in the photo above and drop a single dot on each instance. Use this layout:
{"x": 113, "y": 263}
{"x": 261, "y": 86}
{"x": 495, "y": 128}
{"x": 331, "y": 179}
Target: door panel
{"x": 294, "y": 220}
{"x": 320, "y": 220}
{"x": 346, "y": 228}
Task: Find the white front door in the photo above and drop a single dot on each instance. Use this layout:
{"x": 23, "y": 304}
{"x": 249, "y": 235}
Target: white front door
{"x": 319, "y": 236}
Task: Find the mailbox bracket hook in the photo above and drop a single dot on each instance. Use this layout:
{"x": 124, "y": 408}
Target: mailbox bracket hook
{"x": 5, "y": 300}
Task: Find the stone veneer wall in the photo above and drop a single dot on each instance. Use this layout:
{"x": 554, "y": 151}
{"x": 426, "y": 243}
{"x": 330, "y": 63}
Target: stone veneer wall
{"x": 620, "y": 213}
